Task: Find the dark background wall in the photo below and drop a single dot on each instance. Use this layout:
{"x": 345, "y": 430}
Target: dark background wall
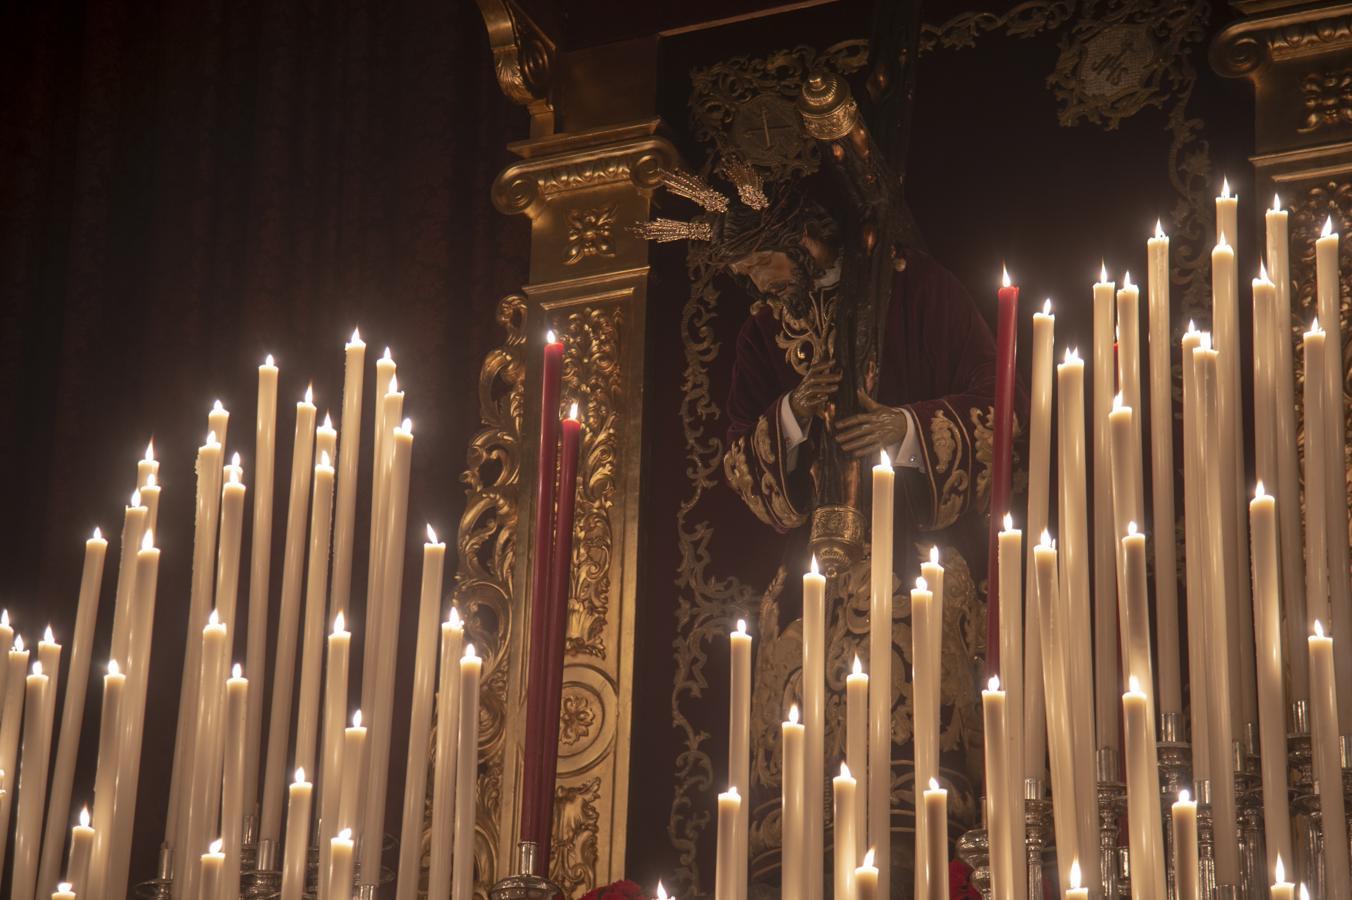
{"x": 188, "y": 186}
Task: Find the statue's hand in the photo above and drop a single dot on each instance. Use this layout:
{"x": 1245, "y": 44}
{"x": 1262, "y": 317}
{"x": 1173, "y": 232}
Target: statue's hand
{"x": 878, "y": 426}
{"x": 809, "y": 399}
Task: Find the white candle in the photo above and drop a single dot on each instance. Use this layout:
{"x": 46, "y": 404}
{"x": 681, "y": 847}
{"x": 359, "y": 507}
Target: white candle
{"x": 105, "y": 778}
{"x": 1195, "y": 560}
{"x": 284, "y": 670}
{"x": 997, "y": 811}
{"x": 843, "y": 790}
{"x": 1143, "y": 793}
{"x": 349, "y": 454}
{"x": 420, "y": 717}
{"x": 725, "y": 879}
{"x": 37, "y": 740}
{"x": 880, "y": 670}
{"x": 1288, "y": 459}
{"x": 1217, "y": 591}
{"x": 1136, "y": 603}
{"x": 316, "y": 603}
{"x": 232, "y": 528}
{"x": 211, "y": 872}
{"x": 390, "y": 404}
{"x": 1073, "y": 585}
{"x": 936, "y": 823}
{"x": 1229, "y": 453}
{"x": 1328, "y": 293}
{"x": 1010, "y": 560}
{"x": 1075, "y": 554}
{"x": 1227, "y": 214}
{"x": 232, "y": 780}
{"x": 443, "y": 783}
{"x": 335, "y": 716}
{"x": 340, "y": 866}
{"x": 81, "y": 848}
{"x": 10, "y": 730}
{"x": 197, "y": 814}
{"x": 1281, "y": 888}
{"x": 467, "y": 774}
{"x": 1183, "y": 814}
{"x": 792, "y": 866}
{"x": 1316, "y": 474}
{"x": 867, "y": 878}
{"x": 147, "y": 467}
{"x": 925, "y": 654}
{"x": 354, "y": 766}
{"x": 133, "y": 529}
{"x": 1264, "y": 384}
{"x": 1267, "y": 624}
{"x": 296, "y": 858}
{"x": 260, "y": 571}
{"x": 1054, "y": 668}
{"x": 1039, "y": 490}
{"x": 72, "y": 710}
{"x": 814, "y": 718}
{"x": 378, "y": 764}
{"x": 207, "y": 521}
{"x": 1162, "y": 467}
{"x": 856, "y": 745}
{"x": 1327, "y": 764}
{"x": 64, "y": 891}
{"x": 739, "y": 734}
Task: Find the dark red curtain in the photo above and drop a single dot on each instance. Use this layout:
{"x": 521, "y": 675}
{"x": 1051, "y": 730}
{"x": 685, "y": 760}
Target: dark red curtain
{"x": 187, "y": 186}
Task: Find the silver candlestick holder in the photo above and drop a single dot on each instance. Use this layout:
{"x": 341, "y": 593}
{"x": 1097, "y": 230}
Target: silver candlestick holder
{"x": 1037, "y": 810}
{"x": 525, "y": 883}
{"x": 1112, "y": 805}
{"x": 1175, "y": 757}
{"x": 262, "y": 879}
{"x": 161, "y": 886}
{"x": 1249, "y": 808}
{"x": 1305, "y": 808}
{"x": 974, "y": 849}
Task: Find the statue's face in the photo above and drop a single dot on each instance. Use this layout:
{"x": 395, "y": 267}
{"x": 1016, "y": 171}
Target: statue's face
{"x": 771, "y": 271}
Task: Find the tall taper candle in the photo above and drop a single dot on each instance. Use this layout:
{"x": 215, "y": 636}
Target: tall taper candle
{"x": 1195, "y": 561}
{"x": 81, "y": 847}
{"x": 354, "y": 769}
{"x": 339, "y": 875}
{"x": 1327, "y": 763}
{"x": 1184, "y": 817}
{"x": 1327, "y": 287}
{"x": 1288, "y": 457}
{"x": 1039, "y": 490}
{"x": 296, "y": 858}
{"x": 211, "y": 872}
{"x": 284, "y": 670}
{"x": 793, "y": 866}
{"x": 867, "y": 878}
{"x": 1011, "y": 667}
{"x": 1281, "y": 888}
{"x": 11, "y": 723}
{"x": 385, "y": 386}
{"x": 232, "y": 528}
{"x": 466, "y": 776}
{"x": 1267, "y": 624}
{"x": 1136, "y": 599}
{"x": 727, "y": 869}
{"x": 1162, "y": 468}
{"x": 316, "y": 604}
{"x": 198, "y": 821}
{"x": 856, "y": 745}
{"x": 1075, "y": 547}
{"x": 260, "y": 573}
{"x": 1002, "y": 444}
{"x": 133, "y": 529}
{"x": 420, "y": 716}
{"x": 105, "y": 778}
{"x": 739, "y": 743}
{"x": 936, "y": 823}
{"x": 1143, "y": 795}
{"x": 1075, "y": 891}
{"x": 37, "y": 739}
{"x": 998, "y": 823}
{"x": 232, "y": 781}
{"x": 1059, "y": 744}
{"x": 880, "y": 673}
{"x": 1264, "y": 294}
{"x": 444, "y": 767}
{"x": 926, "y": 613}
{"x": 147, "y": 467}
{"x": 1227, "y": 214}
{"x": 72, "y": 710}
{"x": 814, "y": 718}
{"x": 335, "y": 718}
{"x": 843, "y": 791}
{"x": 349, "y": 454}
{"x": 1316, "y": 476}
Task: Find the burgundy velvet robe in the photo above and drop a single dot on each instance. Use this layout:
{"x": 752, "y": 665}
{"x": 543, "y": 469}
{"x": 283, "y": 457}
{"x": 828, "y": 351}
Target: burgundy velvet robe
{"x": 938, "y": 361}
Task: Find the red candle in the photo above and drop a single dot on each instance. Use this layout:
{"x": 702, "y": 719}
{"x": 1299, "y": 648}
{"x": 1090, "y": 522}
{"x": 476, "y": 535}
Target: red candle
{"x": 537, "y": 809}
{"x": 542, "y": 745}
{"x": 1003, "y": 457}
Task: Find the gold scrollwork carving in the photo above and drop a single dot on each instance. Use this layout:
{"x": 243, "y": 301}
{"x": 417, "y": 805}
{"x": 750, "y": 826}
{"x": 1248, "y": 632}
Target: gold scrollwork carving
{"x": 523, "y": 57}
{"x": 530, "y": 184}
{"x": 572, "y": 863}
{"x": 1327, "y": 98}
{"x": 1024, "y": 20}
{"x": 589, "y": 233}
{"x": 1244, "y": 47}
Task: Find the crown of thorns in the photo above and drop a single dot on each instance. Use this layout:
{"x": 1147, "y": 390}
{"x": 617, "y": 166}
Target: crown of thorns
{"x": 728, "y": 229}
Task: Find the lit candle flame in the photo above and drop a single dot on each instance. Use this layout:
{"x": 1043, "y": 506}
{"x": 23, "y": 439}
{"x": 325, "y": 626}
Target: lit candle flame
{"x": 572, "y": 411}
{"x": 309, "y": 394}
{"x": 884, "y": 461}
{"x": 1222, "y": 242}
{"x": 18, "y": 643}
{"x": 868, "y": 859}
{"x": 1280, "y": 870}
{"x": 84, "y": 817}
{"x": 934, "y": 784}
{"x": 1133, "y": 685}
{"x": 47, "y": 636}
{"x": 550, "y": 337}
{"x": 1159, "y": 229}
{"x": 1131, "y": 529}
{"x": 214, "y": 618}
{"x": 469, "y": 652}
{"x": 151, "y": 480}
{"x": 37, "y": 667}
{"x": 1072, "y": 355}
{"x": 1075, "y": 877}
{"x": 1103, "y": 272}
{"x": 1205, "y": 341}
{"x": 356, "y": 336}
{"x": 1126, "y": 280}
{"x": 217, "y": 407}
{"x": 236, "y": 671}
{"x": 150, "y": 451}
{"x": 356, "y": 719}
{"x": 1258, "y": 491}
{"x": 269, "y": 361}
{"x": 216, "y": 846}
{"x": 1314, "y": 326}
{"x": 387, "y": 355}
{"x": 1318, "y": 628}
{"x": 1047, "y": 307}
{"x": 345, "y": 835}
{"x": 845, "y": 770}
{"x": 4, "y": 617}
{"x": 921, "y": 584}
{"x": 114, "y": 668}
{"x": 1225, "y": 188}
{"x": 148, "y": 540}
{"x": 1046, "y": 539}
{"x": 1328, "y": 227}
{"x": 453, "y": 619}
{"x": 813, "y": 566}
{"x": 1004, "y": 276}
{"x": 934, "y": 554}
{"x": 858, "y": 665}
{"x": 741, "y": 626}
{"x": 1117, "y": 400}
{"x": 324, "y": 460}
{"x": 98, "y": 534}
{"x": 135, "y": 498}
{"x": 339, "y": 623}
{"x": 64, "y": 887}
{"x": 300, "y": 775}
{"x": 1009, "y": 522}
{"x": 1304, "y": 892}
{"x": 1276, "y": 203}
{"x": 793, "y": 714}
{"x": 1184, "y": 796}
{"x": 394, "y": 385}
{"x": 431, "y": 535}
{"x": 661, "y": 892}
{"x": 993, "y": 683}
{"x": 328, "y": 421}
{"x": 407, "y": 426}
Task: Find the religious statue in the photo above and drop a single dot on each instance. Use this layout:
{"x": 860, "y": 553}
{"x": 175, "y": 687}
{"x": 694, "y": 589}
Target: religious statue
{"x": 857, "y": 343}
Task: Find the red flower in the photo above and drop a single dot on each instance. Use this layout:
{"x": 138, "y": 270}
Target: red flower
{"x": 960, "y": 881}
{"x": 620, "y": 890}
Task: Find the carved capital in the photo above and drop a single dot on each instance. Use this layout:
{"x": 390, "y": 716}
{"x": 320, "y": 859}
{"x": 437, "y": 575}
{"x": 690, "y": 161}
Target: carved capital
{"x": 523, "y": 58}
{"x": 556, "y": 167}
{"x": 1248, "y": 45}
